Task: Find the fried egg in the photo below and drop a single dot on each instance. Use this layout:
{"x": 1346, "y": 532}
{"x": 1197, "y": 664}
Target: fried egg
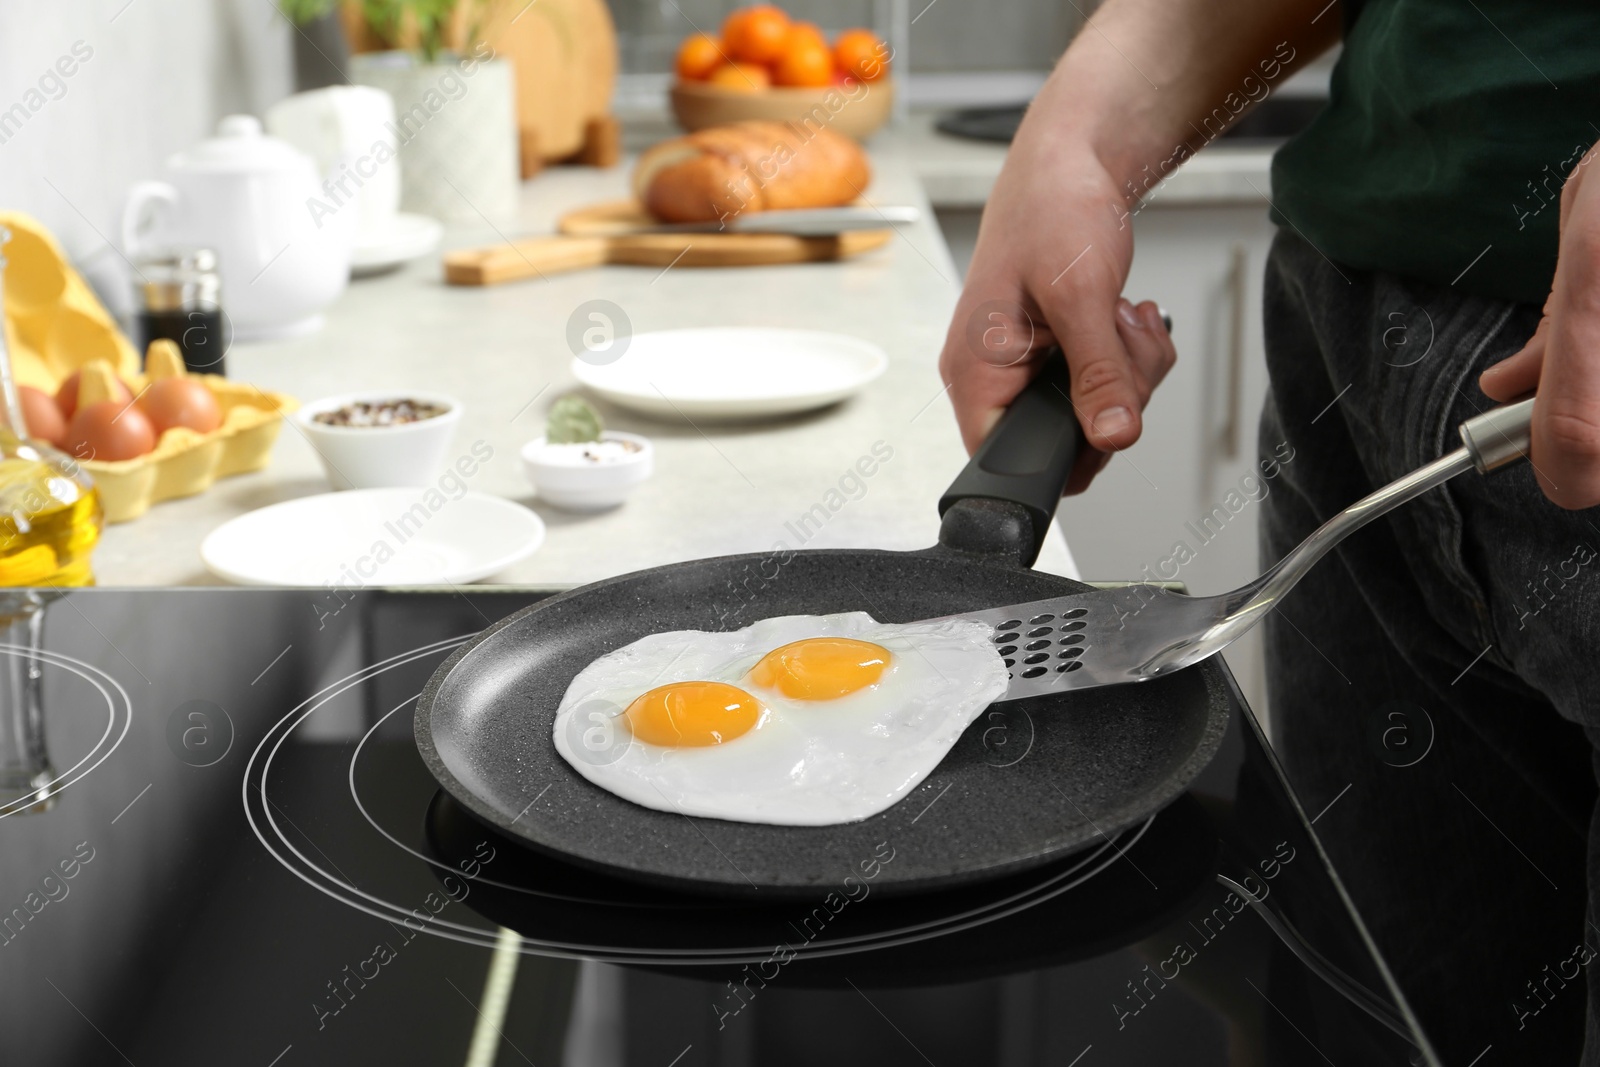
{"x": 801, "y": 720}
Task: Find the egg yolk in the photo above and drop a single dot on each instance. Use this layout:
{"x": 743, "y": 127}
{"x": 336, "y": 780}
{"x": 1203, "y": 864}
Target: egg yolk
{"x": 821, "y": 668}
{"x": 692, "y": 714}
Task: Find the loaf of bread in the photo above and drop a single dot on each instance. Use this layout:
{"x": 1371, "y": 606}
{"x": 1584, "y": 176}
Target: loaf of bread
{"x": 725, "y": 171}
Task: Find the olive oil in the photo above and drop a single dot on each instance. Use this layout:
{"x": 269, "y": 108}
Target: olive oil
{"x": 49, "y": 521}
{"x": 50, "y": 516}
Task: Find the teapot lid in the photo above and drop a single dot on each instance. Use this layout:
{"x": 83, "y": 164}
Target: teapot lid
{"x": 240, "y": 146}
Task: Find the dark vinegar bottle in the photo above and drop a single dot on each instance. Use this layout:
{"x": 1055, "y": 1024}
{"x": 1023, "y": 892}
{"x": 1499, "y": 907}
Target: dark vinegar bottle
{"x": 181, "y": 302}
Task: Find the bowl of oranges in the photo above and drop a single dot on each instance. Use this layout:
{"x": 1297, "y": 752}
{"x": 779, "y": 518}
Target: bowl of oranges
{"x": 765, "y": 65}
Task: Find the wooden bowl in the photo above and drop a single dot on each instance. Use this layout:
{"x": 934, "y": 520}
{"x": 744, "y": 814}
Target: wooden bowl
{"x": 856, "y": 109}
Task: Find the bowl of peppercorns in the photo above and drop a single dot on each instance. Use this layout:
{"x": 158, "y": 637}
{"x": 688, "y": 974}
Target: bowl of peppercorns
{"x": 377, "y": 440}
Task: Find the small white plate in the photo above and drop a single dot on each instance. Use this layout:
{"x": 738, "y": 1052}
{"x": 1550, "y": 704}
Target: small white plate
{"x": 405, "y": 237}
{"x": 374, "y": 537}
{"x": 733, "y": 372}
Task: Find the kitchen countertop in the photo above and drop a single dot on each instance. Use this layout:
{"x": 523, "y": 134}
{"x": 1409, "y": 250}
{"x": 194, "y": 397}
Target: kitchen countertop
{"x": 502, "y": 352}
{"x": 958, "y": 174}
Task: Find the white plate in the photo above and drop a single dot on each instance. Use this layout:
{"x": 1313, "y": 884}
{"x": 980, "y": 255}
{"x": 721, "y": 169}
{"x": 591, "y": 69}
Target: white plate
{"x": 377, "y": 537}
{"x": 405, "y": 237}
{"x": 734, "y": 372}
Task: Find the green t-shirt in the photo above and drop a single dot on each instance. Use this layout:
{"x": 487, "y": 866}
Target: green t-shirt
{"x": 1450, "y": 128}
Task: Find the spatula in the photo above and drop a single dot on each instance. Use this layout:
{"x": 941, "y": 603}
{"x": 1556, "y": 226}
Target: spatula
{"x": 1138, "y": 632}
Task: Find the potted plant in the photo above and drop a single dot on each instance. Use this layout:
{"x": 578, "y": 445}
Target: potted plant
{"x": 455, "y": 131}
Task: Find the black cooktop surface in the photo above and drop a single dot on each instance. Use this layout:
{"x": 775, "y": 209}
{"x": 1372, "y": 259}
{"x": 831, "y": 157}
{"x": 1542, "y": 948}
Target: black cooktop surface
{"x": 243, "y": 860}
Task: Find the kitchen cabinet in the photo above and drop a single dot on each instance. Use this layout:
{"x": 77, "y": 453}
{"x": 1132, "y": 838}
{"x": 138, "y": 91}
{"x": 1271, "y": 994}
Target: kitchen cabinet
{"x": 1192, "y": 482}
{"x": 1193, "y": 479}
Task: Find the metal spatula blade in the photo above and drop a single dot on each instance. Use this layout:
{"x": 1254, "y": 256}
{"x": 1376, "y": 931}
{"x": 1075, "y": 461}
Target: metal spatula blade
{"x": 1138, "y": 632}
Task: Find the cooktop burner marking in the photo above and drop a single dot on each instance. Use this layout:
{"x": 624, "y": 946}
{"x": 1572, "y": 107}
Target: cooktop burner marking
{"x": 1090, "y": 863}
{"x": 116, "y": 707}
{"x": 433, "y": 862}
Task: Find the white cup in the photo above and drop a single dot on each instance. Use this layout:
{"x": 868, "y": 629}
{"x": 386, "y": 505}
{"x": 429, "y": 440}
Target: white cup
{"x": 348, "y": 130}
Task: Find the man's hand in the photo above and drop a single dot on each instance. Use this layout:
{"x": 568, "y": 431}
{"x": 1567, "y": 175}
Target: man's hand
{"x": 1052, "y": 256}
{"x": 1132, "y": 96}
{"x": 1562, "y": 358}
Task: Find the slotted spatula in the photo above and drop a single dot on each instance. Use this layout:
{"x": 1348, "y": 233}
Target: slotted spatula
{"x": 1138, "y": 632}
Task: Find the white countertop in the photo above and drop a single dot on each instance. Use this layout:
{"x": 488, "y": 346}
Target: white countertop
{"x": 960, "y": 173}
{"x": 502, "y": 352}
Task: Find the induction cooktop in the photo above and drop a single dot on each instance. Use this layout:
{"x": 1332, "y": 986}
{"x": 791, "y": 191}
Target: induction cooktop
{"x": 221, "y": 846}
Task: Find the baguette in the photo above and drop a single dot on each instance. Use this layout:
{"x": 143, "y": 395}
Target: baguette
{"x": 724, "y": 171}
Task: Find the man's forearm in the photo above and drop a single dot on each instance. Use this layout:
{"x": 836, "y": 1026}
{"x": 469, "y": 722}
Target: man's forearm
{"x": 1149, "y": 82}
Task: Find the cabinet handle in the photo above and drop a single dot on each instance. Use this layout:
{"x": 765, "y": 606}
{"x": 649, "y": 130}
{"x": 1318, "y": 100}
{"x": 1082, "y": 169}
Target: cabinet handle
{"x": 1233, "y": 425}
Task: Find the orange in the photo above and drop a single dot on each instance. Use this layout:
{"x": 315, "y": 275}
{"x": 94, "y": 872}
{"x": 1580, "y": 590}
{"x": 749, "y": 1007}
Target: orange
{"x": 698, "y": 56}
{"x": 804, "y": 31}
{"x": 804, "y": 64}
{"x": 741, "y": 77}
{"x": 861, "y": 53}
{"x": 756, "y": 34}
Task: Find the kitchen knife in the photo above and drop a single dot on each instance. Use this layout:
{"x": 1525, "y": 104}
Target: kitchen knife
{"x": 805, "y": 222}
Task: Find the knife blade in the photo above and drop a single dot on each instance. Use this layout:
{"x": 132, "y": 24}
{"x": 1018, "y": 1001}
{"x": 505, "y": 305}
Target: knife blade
{"x": 807, "y": 222}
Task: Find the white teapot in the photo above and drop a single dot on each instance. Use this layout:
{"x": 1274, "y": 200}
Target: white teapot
{"x": 248, "y": 197}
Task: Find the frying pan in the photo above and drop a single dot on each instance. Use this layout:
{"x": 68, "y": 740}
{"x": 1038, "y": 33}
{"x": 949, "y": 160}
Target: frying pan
{"x": 1102, "y": 897}
{"x": 1031, "y": 780}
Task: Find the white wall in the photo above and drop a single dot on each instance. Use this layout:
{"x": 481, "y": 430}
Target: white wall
{"x": 159, "y": 74}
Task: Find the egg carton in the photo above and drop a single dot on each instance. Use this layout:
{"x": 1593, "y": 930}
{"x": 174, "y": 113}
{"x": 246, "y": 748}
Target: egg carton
{"x": 185, "y": 462}
{"x": 55, "y": 326}
{"x": 54, "y": 323}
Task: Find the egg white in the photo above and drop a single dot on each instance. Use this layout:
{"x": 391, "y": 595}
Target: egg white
{"x": 806, "y": 763}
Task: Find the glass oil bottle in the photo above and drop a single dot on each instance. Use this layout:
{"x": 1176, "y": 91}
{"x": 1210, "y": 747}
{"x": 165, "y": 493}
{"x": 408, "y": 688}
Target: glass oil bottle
{"x": 50, "y": 516}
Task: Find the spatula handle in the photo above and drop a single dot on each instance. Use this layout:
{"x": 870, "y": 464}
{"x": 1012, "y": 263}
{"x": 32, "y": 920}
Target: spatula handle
{"x": 1499, "y": 436}
{"x": 1025, "y": 461}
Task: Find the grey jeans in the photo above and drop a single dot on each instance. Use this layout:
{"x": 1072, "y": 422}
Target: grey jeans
{"x": 1435, "y": 685}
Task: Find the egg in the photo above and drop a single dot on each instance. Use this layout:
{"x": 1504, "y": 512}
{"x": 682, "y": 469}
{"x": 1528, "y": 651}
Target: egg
{"x": 801, "y": 720}
{"x": 110, "y": 430}
{"x": 67, "y": 395}
{"x": 43, "y": 419}
{"x": 180, "y": 401}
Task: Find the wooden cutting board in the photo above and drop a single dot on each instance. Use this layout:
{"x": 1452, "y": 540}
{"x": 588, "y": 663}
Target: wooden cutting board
{"x": 605, "y": 233}
{"x": 563, "y": 55}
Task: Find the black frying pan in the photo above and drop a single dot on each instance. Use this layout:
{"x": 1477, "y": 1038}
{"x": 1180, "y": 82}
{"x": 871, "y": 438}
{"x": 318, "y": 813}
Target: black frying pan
{"x": 1096, "y": 761}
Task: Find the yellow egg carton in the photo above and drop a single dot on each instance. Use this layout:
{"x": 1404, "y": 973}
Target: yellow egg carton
{"x": 54, "y": 326}
{"x": 183, "y": 462}
{"x": 54, "y": 322}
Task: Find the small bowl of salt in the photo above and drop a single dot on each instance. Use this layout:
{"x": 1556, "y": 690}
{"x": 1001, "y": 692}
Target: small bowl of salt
{"x": 579, "y": 466}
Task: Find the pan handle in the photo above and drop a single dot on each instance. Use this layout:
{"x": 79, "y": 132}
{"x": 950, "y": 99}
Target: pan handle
{"x": 1005, "y": 497}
